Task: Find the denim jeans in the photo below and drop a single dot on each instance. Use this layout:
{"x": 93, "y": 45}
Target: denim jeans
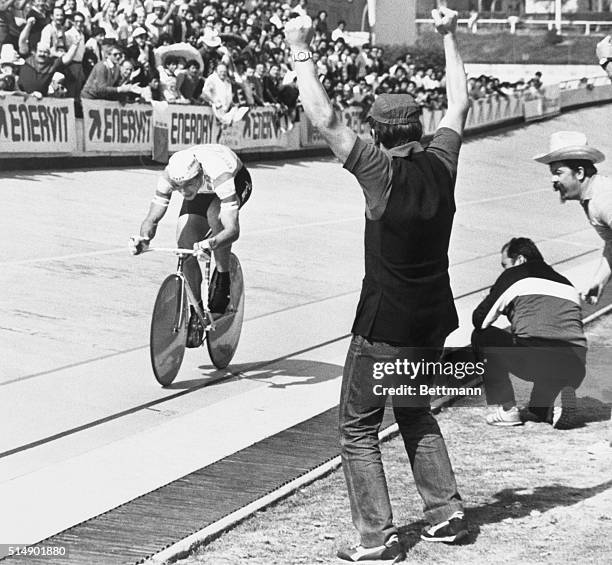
{"x": 549, "y": 365}
{"x": 361, "y": 458}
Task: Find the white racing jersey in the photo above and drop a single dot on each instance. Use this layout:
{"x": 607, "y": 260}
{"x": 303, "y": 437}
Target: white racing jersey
{"x": 220, "y": 165}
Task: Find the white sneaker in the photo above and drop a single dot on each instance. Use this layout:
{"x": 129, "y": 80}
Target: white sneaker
{"x": 503, "y": 417}
{"x": 564, "y": 413}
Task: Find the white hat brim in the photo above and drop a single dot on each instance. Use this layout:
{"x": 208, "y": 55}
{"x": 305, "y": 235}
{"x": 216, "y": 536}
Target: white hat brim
{"x": 577, "y": 152}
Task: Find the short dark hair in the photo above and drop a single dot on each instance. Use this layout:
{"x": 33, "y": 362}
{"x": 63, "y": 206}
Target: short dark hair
{"x": 522, "y": 246}
{"x": 393, "y": 135}
{"x": 574, "y": 164}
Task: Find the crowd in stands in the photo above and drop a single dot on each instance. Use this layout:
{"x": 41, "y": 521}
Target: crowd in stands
{"x": 230, "y": 55}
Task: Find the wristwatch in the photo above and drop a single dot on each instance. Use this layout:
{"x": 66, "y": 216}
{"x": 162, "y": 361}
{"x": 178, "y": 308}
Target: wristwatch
{"x": 301, "y": 56}
{"x": 604, "y": 61}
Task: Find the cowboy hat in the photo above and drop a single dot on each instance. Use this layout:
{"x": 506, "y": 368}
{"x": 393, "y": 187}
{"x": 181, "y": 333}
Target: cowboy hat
{"x": 569, "y": 145}
{"x": 9, "y": 56}
{"x": 211, "y": 38}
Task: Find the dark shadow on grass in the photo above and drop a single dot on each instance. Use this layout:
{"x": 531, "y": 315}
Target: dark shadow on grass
{"x": 510, "y": 503}
{"x": 589, "y": 409}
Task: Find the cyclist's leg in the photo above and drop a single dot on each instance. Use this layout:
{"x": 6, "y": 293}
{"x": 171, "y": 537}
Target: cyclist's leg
{"x": 220, "y": 295}
{"x": 222, "y": 254}
{"x": 192, "y": 228}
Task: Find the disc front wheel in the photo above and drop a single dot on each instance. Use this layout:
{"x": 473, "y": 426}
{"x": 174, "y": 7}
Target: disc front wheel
{"x": 168, "y": 330}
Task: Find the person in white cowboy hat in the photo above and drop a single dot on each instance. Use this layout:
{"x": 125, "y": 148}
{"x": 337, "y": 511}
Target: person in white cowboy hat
{"x": 571, "y": 161}
{"x": 572, "y": 164}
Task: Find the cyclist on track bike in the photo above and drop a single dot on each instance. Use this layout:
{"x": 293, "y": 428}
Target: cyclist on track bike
{"x": 215, "y": 185}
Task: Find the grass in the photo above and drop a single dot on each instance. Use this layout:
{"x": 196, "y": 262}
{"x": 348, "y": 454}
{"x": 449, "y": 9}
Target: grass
{"x": 503, "y": 47}
{"x": 533, "y": 495}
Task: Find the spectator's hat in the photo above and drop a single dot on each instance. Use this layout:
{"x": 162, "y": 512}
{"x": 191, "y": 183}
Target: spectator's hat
{"x": 139, "y": 31}
{"x": 182, "y": 166}
{"x": 569, "y": 145}
{"x": 395, "y": 109}
{"x": 159, "y": 4}
{"x": 211, "y": 38}
{"x": 9, "y": 56}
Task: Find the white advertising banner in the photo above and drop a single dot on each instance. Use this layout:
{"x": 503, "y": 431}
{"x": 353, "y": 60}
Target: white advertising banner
{"x": 194, "y": 125}
{"x": 37, "y": 126}
{"x": 111, "y": 127}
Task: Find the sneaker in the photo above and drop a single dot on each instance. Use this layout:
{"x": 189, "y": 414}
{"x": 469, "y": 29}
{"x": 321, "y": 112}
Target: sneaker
{"x": 503, "y": 417}
{"x": 391, "y": 552}
{"x": 452, "y": 530}
{"x": 564, "y": 415}
{"x": 220, "y": 296}
{"x": 195, "y": 330}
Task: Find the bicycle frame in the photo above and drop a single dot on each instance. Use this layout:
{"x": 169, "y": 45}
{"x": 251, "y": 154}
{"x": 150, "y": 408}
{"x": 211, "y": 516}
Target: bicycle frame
{"x": 203, "y": 313}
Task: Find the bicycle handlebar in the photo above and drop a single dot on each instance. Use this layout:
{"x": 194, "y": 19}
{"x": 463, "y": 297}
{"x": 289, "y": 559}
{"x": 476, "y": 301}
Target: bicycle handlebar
{"x": 173, "y": 250}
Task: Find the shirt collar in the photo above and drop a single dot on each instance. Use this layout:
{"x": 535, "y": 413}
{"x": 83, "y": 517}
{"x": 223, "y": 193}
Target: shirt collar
{"x": 406, "y": 150}
{"x": 586, "y": 191}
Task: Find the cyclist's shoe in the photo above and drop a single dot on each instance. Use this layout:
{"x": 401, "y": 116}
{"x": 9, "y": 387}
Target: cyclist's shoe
{"x": 195, "y": 330}
{"x": 220, "y": 295}
{"x": 452, "y": 530}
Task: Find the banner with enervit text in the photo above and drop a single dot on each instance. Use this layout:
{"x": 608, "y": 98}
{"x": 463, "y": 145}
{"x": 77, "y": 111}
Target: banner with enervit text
{"x": 111, "y": 127}
{"x": 195, "y": 125}
{"x": 37, "y": 126}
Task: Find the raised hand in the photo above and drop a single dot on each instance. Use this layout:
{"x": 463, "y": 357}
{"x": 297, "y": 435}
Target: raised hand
{"x": 444, "y": 19}
{"x": 298, "y": 32}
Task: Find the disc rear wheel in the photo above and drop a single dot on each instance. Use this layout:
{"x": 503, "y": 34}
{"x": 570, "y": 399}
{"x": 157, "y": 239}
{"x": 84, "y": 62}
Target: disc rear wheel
{"x": 223, "y": 341}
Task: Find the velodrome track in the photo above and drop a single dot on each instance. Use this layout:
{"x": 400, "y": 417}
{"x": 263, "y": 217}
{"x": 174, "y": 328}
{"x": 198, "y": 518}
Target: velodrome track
{"x": 86, "y": 426}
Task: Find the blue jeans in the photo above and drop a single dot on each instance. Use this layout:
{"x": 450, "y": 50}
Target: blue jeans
{"x": 361, "y": 458}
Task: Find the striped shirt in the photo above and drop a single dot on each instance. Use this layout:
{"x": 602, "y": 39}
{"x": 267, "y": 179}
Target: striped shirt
{"x": 538, "y": 302}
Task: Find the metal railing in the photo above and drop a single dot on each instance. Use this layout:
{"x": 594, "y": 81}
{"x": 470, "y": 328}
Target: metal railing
{"x": 512, "y": 23}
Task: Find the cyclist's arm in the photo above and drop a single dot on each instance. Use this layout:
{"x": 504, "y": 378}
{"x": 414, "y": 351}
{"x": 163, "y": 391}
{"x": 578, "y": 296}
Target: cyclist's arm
{"x": 228, "y": 216}
{"x": 149, "y": 224}
{"x": 157, "y": 209}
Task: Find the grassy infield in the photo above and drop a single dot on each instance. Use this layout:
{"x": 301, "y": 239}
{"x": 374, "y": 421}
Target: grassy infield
{"x": 532, "y": 48}
{"x": 533, "y": 494}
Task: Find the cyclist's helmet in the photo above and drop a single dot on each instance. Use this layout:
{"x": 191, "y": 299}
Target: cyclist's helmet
{"x": 182, "y": 166}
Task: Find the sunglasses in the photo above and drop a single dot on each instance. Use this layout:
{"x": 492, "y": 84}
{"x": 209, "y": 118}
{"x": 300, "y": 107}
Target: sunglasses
{"x": 116, "y": 54}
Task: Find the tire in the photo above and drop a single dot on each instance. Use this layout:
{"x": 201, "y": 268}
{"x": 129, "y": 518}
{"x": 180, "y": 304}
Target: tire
{"x": 223, "y": 341}
{"x": 168, "y": 330}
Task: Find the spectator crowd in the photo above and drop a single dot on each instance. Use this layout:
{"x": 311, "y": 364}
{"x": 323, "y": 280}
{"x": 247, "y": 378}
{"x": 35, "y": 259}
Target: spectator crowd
{"x": 230, "y": 55}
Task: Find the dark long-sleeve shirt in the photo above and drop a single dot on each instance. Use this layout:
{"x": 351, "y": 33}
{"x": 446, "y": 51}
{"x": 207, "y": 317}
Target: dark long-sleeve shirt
{"x": 101, "y": 83}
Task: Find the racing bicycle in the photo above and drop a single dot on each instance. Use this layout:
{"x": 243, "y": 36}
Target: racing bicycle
{"x": 171, "y": 311}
